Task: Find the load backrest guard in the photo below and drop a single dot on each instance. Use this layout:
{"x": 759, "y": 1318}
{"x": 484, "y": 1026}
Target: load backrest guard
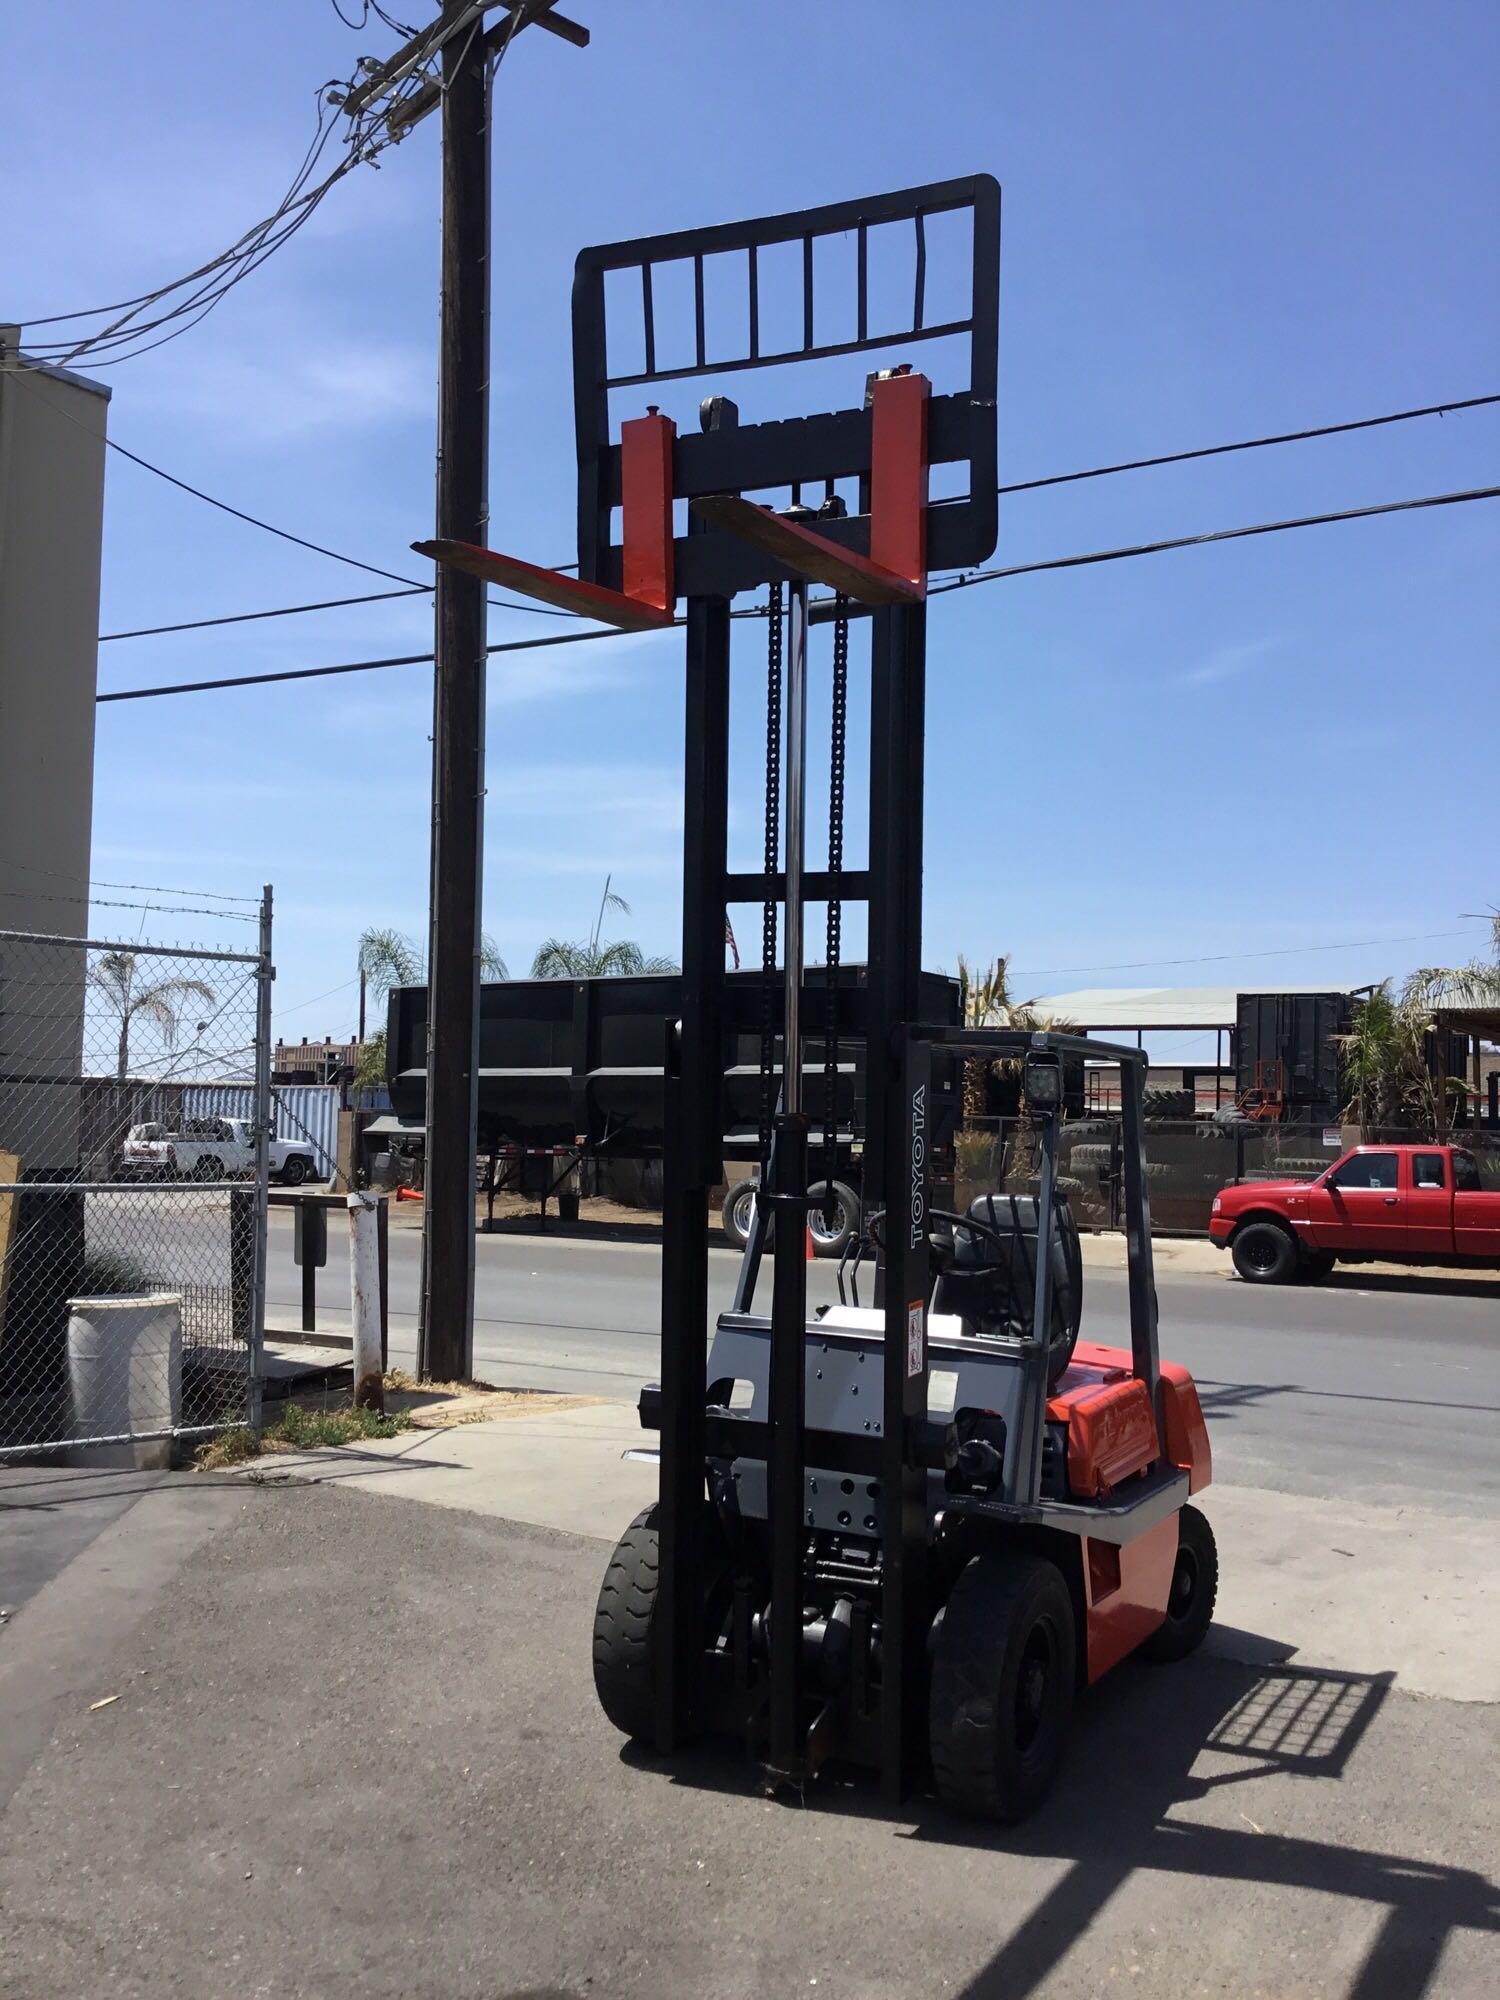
{"x": 729, "y": 457}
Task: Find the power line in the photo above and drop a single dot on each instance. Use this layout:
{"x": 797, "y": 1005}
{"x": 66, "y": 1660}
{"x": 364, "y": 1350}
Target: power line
{"x": 268, "y": 527}
{"x": 1228, "y": 957}
{"x": 284, "y": 611}
{"x": 1019, "y": 486}
{"x": 759, "y": 611}
{"x": 1216, "y": 535}
{"x": 1250, "y": 444}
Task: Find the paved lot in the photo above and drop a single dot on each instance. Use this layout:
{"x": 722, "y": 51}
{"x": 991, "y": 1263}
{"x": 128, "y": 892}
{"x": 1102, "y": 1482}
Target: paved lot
{"x": 355, "y": 1748}
{"x": 356, "y": 1751}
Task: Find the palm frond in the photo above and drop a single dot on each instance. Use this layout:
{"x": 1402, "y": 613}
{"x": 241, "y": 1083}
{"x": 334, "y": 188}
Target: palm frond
{"x": 388, "y": 958}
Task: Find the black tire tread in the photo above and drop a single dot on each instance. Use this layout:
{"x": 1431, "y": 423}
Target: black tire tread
{"x": 1175, "y": 1642}
{"x": 967, "y": 1662}
{"x": 623, "y": 1645}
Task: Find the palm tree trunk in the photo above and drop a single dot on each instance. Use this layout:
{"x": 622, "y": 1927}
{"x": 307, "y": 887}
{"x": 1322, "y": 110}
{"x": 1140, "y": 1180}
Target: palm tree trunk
{"x": 124, "y": 1050}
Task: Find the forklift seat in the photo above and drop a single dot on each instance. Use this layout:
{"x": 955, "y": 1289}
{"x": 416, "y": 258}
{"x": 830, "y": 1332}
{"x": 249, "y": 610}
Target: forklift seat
{"x": 999, "y": 1297}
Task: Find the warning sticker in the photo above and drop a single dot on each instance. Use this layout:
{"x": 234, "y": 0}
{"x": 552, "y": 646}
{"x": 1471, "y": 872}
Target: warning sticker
{"x": 916, "y": 1338}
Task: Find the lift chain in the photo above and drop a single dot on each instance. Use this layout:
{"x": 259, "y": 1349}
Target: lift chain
{"x": 835, "y": 905}
{"x": 772, "y": 855}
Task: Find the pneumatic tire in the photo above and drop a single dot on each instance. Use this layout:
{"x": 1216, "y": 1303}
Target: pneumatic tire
{"x": 1265, "y": 1254}
{"x": 1004, "y": 1670}
{"x": 625, "y": 1626}
{"x": 294, "y": 1171}
{"x": 1195, "y": 1586}
{"x": 1316, "y": 1266}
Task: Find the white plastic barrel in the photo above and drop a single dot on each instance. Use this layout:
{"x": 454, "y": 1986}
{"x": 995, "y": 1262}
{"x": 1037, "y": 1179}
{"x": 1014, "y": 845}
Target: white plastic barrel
{"x": 125, "y": 1371}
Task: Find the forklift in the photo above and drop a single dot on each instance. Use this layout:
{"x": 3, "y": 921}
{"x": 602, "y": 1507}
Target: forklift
{"x": 899, "y": 1534}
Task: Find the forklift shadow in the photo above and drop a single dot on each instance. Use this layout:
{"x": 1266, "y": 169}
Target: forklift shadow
{"x": 1182, "y": 1737}
{"x": 1173, "y": 1738}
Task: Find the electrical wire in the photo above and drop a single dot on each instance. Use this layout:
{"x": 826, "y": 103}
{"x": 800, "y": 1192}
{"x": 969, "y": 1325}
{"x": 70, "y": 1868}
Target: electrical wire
{"x": 1227, "y": 957}
{"x": 1247, "y": 444}
{"x": 283, "y": 611}
{"x": 1019, "y": 486}
{"x": 759, "y": 611}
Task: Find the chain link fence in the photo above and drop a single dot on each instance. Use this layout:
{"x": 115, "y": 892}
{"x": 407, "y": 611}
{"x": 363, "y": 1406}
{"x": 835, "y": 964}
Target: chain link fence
{"x": 132, "y": 1232}
{"x": 1188, "y": 1161}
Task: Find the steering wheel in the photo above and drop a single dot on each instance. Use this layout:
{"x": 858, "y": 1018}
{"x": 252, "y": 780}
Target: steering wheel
{"x": 942, "y": 1262}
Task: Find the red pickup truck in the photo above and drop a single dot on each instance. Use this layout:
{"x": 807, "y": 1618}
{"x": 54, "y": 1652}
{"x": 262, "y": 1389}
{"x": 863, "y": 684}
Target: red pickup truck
{"x": 1397, "y": 1204}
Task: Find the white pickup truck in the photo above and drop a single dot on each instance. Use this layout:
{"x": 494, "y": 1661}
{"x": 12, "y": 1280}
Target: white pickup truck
{"x": 211, "y": 1149}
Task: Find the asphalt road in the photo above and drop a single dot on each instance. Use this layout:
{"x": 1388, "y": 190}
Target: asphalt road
{"x": 1378, "y": 1390}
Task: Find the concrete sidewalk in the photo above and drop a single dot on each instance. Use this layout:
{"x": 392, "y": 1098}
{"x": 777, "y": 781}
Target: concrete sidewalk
{"x": 1300, "y": 1578}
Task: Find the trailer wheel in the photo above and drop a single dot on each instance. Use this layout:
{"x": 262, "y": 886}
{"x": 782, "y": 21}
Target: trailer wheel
{"x": 625, "y": 1620}
{"x": 1265, "y": 1254}
{"x": 833, "y": 1242}
{"x": 738, "y": 1209}
{"x": 1195, "y": 1586}
{"x": 1003, "y": 1675}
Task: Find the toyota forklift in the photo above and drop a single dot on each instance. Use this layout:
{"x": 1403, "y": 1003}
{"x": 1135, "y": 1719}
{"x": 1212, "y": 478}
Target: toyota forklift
{"x": 899, "y": 1534}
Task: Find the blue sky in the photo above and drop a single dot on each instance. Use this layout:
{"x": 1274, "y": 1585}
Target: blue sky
{"x": 1217, "y": 222}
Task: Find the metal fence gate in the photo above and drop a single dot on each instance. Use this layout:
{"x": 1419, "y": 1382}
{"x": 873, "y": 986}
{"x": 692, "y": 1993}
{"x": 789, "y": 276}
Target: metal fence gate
{"x": 132, "y": 1275}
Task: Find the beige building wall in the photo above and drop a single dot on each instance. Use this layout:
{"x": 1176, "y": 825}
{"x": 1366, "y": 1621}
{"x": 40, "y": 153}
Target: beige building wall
{"x": 52, "y": 427}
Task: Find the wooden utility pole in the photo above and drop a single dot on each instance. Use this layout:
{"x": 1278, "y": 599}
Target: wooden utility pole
{"x": 464, "y": 49}
{"x": 446, "y": 1344}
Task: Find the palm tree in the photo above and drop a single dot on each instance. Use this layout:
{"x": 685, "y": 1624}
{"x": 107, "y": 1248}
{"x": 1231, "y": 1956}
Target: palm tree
{"x": 116, "y": 975}
{"x": 390, "y": 958}
{"x": 1372, "y": 1060}
{"x": 590, "y": 958}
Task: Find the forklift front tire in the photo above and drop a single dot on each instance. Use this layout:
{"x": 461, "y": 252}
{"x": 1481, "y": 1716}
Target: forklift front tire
{"x": 1195, "y": 1586}
{"x": 1003, "y": 1677}
{"x": 625, "y": 1620}
{"x": 624, "y": 1629}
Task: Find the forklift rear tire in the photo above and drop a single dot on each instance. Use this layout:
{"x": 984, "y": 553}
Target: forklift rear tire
{"x": 625, "y": 1620}
{"x": 1195, "y": 1586}
{"x": 1265, "y": 1254}
{"x": 1003, "y": 1675}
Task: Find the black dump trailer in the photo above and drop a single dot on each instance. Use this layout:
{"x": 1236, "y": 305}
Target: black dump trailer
{"x": 573, "y": 1067}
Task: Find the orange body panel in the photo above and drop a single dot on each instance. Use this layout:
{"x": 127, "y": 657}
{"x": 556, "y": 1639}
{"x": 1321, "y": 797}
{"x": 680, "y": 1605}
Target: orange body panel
{"x": 898, "y": 476}
{"x": 1111, "y": 1434}
{"x": 1126, "y": 1591}
{"x": 646, "y": 510}
{"x": 1185, "y": 1434}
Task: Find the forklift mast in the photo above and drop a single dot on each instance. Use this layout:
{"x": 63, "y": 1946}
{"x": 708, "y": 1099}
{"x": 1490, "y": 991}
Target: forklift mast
{"x": 853, "y": 511}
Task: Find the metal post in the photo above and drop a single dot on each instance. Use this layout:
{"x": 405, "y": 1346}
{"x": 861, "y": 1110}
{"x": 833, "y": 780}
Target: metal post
{"x": 1141, "y": 1279}
{"x": 785, "y": 1473}
{"x": 364, "y": 1302}
{"x": 447, "y": 1332}
{"x": 309, "y": 1294}
{"x": 694, "y": 1089}
{"x": 897, "y": 1139}
{"x": 794, "y": 789}
{"x": 265, "y": 972}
